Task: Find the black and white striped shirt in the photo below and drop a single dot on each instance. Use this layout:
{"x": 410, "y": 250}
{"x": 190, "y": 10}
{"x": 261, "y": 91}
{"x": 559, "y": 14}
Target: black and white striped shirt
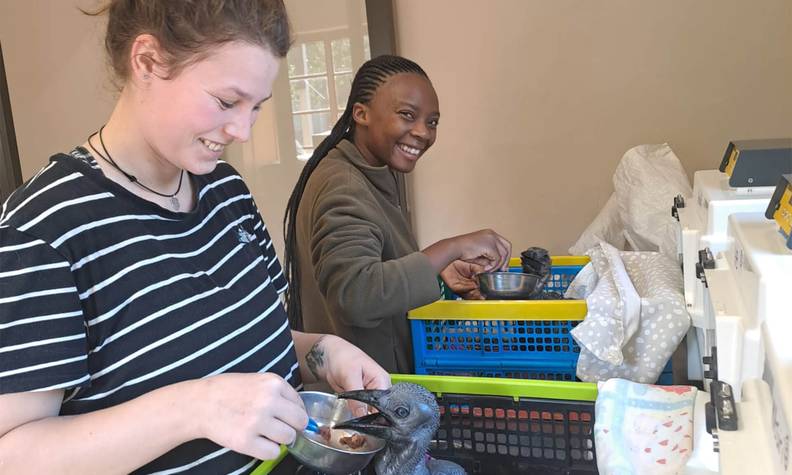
{"x": 109, "y": 296}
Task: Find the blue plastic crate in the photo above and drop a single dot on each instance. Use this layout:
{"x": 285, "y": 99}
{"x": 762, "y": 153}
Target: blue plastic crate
{"x": 531, "y": 344}
{"x": 518, "y": 339}
{"x": 461, "y": 346}
{"x": 666, "y": 378}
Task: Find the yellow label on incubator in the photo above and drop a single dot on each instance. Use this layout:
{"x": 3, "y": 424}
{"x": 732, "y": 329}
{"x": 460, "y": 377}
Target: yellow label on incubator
{"x": 732, "y": 161}
{"x": 783, "y": 215}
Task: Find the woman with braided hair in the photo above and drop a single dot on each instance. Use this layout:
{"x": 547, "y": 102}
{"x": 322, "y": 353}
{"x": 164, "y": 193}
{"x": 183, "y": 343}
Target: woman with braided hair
{"x": 355, "y": 266}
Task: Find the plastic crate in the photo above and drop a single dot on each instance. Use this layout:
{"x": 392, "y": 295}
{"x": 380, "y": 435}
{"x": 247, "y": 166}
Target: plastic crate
{"x": 525, "y": 339}
{"x": 499, "y": 426}
{"x": 504, "y": 426}
{"x": 666, "y": 378}
{"x": 267, "y": 466}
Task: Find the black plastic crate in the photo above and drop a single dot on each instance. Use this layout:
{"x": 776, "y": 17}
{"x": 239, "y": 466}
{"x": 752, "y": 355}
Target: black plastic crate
{"x": 496, "y": 435}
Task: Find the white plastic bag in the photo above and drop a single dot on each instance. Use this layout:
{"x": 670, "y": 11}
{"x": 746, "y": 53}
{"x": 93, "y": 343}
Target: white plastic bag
{"x": 638, "y": 214}
{"x": 645, "y": 182}
{"x": 607, "y": 226}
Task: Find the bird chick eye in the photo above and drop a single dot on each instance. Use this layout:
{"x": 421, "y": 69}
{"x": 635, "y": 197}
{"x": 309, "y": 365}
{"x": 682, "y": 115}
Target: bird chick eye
{"x": 402, "y": 412}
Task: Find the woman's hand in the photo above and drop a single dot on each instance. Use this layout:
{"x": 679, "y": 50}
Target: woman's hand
{"x": 485, "y": 248}
{"x": 460, "y": 276}
{"x": 345, "y": 367}
{"x": 250, "y": 413}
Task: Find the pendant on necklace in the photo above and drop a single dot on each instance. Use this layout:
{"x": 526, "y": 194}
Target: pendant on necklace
{"x": 175, "y": 203}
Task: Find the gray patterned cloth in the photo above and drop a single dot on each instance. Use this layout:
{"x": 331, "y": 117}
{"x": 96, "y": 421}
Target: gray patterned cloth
{"x": 636, "y": 316}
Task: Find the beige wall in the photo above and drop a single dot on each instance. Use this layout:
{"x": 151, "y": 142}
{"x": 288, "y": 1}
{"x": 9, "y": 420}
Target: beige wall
{"x": 540, "y": 99}
{"x": 57, "y": 77}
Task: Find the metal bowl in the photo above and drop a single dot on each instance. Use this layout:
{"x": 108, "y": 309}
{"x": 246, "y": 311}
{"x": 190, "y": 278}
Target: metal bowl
{"x": 509, "y": 285}
{"x": 312, "y": 450}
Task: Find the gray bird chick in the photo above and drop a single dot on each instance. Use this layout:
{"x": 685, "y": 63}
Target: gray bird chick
{"x": 407, "y": 420}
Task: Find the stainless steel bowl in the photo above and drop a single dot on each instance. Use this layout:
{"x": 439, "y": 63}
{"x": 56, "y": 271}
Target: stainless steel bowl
{"x": 311, "y": 450}
{"x": 509, "y": 285}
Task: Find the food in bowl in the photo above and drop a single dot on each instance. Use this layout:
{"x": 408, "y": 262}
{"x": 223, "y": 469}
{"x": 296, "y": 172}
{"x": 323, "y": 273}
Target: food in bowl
{"x": 333, "y": 457}
{"x": 341, "y": 439}
{"x": 354, "y": 441}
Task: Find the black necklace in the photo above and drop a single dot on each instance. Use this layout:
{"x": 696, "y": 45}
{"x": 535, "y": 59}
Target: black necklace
{"x": 109, "y": 159}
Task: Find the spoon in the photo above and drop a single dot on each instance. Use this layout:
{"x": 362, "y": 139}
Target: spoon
{"x": 312, "y": 426}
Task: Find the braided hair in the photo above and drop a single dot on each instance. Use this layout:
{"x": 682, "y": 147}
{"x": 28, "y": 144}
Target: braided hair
{"x": 371, "y": 75}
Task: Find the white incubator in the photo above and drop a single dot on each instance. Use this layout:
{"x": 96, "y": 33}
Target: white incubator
{"x": 736, "y": 254}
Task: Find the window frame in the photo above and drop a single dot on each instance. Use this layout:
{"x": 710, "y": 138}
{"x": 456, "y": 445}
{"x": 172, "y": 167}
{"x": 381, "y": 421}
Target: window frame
{"x": 357, "y": 48}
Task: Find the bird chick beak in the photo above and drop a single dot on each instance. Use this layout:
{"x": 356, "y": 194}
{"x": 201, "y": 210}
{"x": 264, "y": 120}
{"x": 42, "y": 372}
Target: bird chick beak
{"x": 377, "y": 424}
{"x": 372, "y": 397}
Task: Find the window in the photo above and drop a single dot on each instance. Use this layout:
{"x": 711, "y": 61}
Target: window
{"x": 321, "y": 68}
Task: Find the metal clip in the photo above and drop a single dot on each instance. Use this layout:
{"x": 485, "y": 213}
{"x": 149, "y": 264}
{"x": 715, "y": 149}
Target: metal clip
{"x": 711, "y": 372}
{"x": 679, "y": 202}
{"x": 725, "y": 408}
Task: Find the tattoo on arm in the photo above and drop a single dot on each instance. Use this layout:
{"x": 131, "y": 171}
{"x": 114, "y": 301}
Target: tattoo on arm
{"x": 315, "y": 358}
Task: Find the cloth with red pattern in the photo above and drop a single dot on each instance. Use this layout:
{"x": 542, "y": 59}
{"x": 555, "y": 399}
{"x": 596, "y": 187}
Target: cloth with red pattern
{"x": 642, "y": 428}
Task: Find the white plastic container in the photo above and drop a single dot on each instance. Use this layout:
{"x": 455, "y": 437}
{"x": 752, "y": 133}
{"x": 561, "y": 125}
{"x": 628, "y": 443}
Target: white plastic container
{"x": 748, "y": 300}
{"x": 703, "y": 224}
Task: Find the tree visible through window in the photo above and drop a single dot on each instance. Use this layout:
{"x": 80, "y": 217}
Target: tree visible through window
{"x": 320, "y": 76}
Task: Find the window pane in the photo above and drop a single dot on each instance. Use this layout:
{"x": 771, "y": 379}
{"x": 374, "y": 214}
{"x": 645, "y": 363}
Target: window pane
{"x": 299, "y": 95}
{"x": 366, "y": 48}
{"x": 307, "y": 58}
{"x": 309, "y": 94}
{"x": 309, "y": 131}
{"x": 320, "y": 122}
{"x": 295, "y": 61}
{"x": 302, "y": 136}
{"x": 315, "y": 62}
{"x": 343, "y": 84}
{"x": 318, "y": 96}
{"x": 342, "y": 55}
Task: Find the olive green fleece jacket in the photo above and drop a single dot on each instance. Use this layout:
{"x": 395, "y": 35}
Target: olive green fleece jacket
{"x": 360, "y": 266}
